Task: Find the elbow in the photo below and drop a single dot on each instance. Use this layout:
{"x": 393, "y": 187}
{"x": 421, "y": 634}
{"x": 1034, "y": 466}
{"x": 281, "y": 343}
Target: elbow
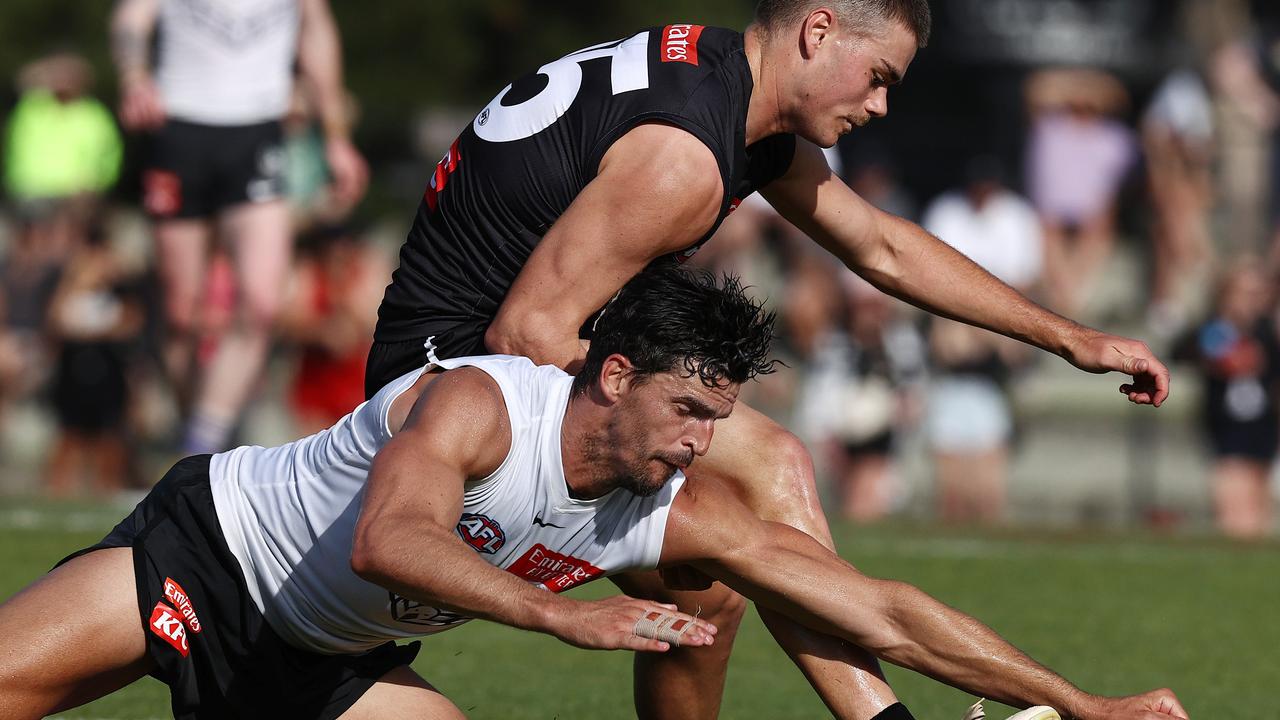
{"x": 890, "y": 637}
{"x": 530, "y": 335}
{"x": 497, "y": 339}
{"x": 366, "y": 561}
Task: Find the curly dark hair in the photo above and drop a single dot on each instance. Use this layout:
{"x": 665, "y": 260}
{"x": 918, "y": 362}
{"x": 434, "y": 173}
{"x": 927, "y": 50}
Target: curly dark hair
{"x": 667, "y": 318}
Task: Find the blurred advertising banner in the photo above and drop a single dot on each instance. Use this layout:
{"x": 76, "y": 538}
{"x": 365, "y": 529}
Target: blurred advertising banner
{"x": 1126, "y": 36}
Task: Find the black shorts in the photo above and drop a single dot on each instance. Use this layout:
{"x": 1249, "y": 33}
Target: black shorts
{"x": 1258, "y": 440}
{"x": 389, "y": 360}
{"x": 91, "y": 386}
{"x": 193, "y": 171}
{"x": 209, "y": 642}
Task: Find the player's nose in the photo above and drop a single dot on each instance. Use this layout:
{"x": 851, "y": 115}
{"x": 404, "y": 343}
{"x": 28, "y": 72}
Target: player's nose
{"x": 878, "y": 104}
{"x": 699, "y": 439}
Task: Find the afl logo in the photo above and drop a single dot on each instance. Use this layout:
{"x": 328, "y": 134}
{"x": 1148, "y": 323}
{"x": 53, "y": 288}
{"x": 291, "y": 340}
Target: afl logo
{"x": 484, "y": 117}
{"x": 481, "y": 533}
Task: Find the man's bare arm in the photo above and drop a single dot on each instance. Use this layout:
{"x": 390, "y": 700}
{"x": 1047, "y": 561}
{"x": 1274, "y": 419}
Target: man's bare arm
{"x": 405, "y": 540}
{"x": 320, "y": 64}
{"x": 658, "y": 191}
{"x": 784, "y": 569}
{"x": 132, "y": 25}
{"x": 904, "y": 260}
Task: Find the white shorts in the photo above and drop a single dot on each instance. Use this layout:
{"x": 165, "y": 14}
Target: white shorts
{"x": 967, "y": 414}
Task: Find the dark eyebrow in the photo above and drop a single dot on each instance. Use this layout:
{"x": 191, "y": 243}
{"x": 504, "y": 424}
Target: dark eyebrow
{"x": 892, "y": 76}
{"x": 698, "y": 407}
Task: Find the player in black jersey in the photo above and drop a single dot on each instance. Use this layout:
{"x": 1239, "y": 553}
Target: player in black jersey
{"x": 580, "y": 174}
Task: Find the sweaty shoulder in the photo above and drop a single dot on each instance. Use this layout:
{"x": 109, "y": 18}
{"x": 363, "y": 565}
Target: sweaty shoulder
{"x": 463, "y": 410}
{"x": 667, "y": 160}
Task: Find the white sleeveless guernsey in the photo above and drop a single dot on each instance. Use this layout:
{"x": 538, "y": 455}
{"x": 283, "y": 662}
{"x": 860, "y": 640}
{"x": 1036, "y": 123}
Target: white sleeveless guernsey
{"x": 289, "y": 515}
{"x": 227, "y": 62}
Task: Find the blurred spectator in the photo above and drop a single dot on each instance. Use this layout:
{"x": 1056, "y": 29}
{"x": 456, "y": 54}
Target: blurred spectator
{"x": 94, "y": 319}
{"x": 1237, "y": 354}
{"x": 62, "y": 152}
{"x": 28, "y": 278}
{"x": 213, "y": 105}
{"x": 12, "y": 362}
{"x": 872, "y": 176}
{"x": 968, "y": 417}
{"x": 1077, "y": 157}
{"x": 1245, "y": 79}
{"x": 1177, "y": 137}
{"x": 861, "y": 389}
{"x": 332, "y": 308}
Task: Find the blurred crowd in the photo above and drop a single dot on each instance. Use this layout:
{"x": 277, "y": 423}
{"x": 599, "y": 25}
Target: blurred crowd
{"x": 112, "y": 341}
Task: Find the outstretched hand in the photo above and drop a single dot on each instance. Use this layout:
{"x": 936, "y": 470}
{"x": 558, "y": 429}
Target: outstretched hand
{"x": 1155, "y": 705}
{"x": 622, "y": 623}
{"x": 1100, "y": 353}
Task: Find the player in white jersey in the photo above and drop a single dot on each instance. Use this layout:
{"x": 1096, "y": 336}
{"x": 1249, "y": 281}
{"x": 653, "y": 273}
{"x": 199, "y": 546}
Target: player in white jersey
{"x": 211, "y": 106}
{"x": 270, "y": 582}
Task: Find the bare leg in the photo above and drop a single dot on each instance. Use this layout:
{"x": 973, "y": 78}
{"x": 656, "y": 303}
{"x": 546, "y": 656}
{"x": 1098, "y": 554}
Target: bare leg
{"x": 64, "y": 464}
{"x": 1241, "y": 498}
{"x": 51, "y": 661}
{"x": 402, "y": 694}
{"x": 685, "y": 682}
{"x": 864, "y": 491}
{"x": 1058, "y": 267}
{"x": 971, "y": 485}
{"x": 770, "y": 468}
{"x": 1095, "y": 241}
{"x": 109, "y": 458}
{"x": 182, "y": 250}
{"x": 262, "y": 246}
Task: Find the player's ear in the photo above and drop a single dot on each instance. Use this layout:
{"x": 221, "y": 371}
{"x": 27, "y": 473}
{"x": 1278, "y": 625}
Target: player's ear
{"x": 615, "y": 377}
{"x": 816, "y": 30}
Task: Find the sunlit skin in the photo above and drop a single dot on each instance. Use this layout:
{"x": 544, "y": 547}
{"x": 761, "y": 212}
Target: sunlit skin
{"x": 840, "y": 80}
{"x": 635, "y": 432}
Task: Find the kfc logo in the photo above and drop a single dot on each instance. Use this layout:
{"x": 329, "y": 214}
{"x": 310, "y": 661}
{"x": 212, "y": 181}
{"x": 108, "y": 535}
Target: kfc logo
{"x": 176, "y": 595}
{"x": 552, "y": 570}
{"x": 680, "y": 43}
{"x": 481, "y": 533}
{"x": 167, "y": 624}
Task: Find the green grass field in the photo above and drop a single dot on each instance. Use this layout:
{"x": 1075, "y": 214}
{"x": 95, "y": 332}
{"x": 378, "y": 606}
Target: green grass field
{"x": 1114, "y": 613}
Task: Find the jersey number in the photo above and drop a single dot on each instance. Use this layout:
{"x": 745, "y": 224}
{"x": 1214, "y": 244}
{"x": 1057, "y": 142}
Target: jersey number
{"x": 629, "y": 70}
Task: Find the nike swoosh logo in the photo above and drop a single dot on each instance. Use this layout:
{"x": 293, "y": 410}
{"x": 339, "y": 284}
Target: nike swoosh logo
{"x": 538, "y": 521}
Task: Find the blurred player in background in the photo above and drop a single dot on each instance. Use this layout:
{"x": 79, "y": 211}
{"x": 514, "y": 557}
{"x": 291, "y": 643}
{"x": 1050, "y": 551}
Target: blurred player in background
{"x": 1236, "y": 351}
{"x": 211, "y": 103}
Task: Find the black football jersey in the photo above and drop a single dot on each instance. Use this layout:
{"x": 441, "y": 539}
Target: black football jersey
{"x": 514, "y": 170}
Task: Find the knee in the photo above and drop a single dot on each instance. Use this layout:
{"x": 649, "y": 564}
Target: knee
{"x": 181, "y": 314}
{"x": 259, "y": 310}
{"x": 724, "y": 608}
{"x": 785, "y": 489}
{"x": 789, "y": 475}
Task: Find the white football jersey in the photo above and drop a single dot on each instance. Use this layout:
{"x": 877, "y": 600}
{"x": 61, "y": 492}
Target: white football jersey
{"x": 227, "y": 62}
{"x": 289, "y": 515}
